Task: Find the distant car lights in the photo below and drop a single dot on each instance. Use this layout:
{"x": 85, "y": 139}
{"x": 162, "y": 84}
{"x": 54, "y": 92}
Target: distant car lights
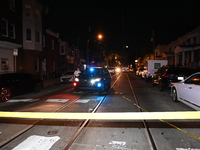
{"x": 118, "y": 70}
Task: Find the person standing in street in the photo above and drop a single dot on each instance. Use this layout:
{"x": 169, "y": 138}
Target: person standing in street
{"x": 77, "y": 72}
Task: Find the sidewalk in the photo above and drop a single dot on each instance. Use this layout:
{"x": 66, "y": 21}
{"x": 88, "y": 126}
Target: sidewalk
{"x": 51, "y": 81}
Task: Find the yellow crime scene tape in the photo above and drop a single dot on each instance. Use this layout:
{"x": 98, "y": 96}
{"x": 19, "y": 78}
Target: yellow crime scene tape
{"x": 175, "y": 116}
{"x": 105, "y": 116}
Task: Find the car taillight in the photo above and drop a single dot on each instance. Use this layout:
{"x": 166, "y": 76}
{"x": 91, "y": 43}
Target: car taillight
{"x": 74, "y": 84}
{"x": 170, "y": 75}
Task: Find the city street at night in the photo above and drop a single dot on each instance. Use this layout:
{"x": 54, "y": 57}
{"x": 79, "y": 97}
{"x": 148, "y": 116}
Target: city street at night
{"x": 128, "y": 94}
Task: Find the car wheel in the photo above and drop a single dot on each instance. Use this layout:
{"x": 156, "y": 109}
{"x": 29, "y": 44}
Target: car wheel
{"x": 5, "y": 94}
{"x": 174, "y": 94}
{"x": 161, "y": 87}
{"x": 37, "y": 87}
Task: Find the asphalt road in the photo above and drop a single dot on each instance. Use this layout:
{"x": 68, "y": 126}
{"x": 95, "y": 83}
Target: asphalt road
{"x": 127, "y": 95}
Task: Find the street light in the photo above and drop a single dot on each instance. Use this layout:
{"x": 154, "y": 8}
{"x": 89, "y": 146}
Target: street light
{"x": 100, "y": 37}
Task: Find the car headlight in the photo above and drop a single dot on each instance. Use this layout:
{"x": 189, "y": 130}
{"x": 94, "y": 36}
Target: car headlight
{"x": 95, "y": 80}
{"x": 117, "y": 69}
{"x": 76, "y": 79}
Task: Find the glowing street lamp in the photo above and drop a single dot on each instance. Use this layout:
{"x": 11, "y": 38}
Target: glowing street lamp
{"x": 100, "y": 36}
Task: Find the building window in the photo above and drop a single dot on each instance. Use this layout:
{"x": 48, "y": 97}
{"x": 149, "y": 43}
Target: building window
{"x": 188, "y": 42}
{"x": 37, "y": 14}
{"x": 4, "y": 64}
{"x": 28, "y": 10}
{"x": 4, "y": 27}
{"x": 12, "y": 5}
{"x": 52, "y": 44}
{"x": 12, "y": 31}
{"x": 43, "y": 41}
{"x": 194, "y": 40}
{"x": 62, "y": 49}
{"x": 37, "y": 36}
{"x": 36, "y": 65}
{"x": 28, "y": 34}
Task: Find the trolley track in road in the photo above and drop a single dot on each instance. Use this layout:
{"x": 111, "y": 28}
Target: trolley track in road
{"x": 151, "y": 140}
{"x": 82, "y": 124}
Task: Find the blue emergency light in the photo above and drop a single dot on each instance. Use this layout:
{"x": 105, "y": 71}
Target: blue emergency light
{"x": 91, "y": 69}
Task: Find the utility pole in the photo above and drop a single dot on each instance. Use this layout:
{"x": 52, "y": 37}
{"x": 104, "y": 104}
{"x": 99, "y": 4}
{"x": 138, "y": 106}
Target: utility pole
{"x": 153, "y": 41}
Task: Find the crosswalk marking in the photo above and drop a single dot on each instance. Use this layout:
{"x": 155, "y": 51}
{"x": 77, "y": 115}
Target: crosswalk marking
{"x": 57, "y": 100}
{"x": 82, "y": 101}
{"x": 37, "y": 142}
{"x": 22, "y": 100}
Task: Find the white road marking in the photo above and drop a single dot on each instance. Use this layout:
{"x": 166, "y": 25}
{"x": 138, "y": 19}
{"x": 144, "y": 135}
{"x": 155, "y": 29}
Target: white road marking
{"x": 36, "y": 142}
{"x": 118, "y": 144}
{"x": 82, "y": 101}
{"x": 187, "y": 149}
{"x": 57, "y": 100}
{"x": 22, "y": 100}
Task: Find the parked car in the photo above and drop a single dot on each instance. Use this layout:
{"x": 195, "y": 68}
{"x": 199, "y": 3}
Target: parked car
{"x": 67, "y": 77}
{"x": 94, "y": 78}
{"x": 188, "y": 91}
{"x": 125, "y": 69}
{"x": 12, "y": 84}
{"x": 139, "y": 71}
{"x": 111, "y": 70}
{"x": 166, "y": 75}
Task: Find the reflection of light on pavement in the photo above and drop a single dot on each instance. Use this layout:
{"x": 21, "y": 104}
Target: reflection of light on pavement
{"x": 57, "y": 100}
{"x": 35, "y": 142}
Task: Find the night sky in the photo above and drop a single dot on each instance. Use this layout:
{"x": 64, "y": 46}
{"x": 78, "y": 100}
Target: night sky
{"x": 123, "y": 22}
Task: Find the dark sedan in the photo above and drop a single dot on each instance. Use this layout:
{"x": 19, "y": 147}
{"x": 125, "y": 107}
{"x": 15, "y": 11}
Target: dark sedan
{"x": 167, "y": 75}
{"x": 12, "y": 84}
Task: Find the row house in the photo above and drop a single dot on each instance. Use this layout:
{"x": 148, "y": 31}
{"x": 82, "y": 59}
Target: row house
{"x": 50, "y": 54}
{"x": 10, "y": 34}
{"x": 26, "y": 45}
{"x": 187, "y": 50}
{"x": 184, "y": 51}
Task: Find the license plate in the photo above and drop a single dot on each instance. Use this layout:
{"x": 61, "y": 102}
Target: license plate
{"x": 180, "y": 78}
